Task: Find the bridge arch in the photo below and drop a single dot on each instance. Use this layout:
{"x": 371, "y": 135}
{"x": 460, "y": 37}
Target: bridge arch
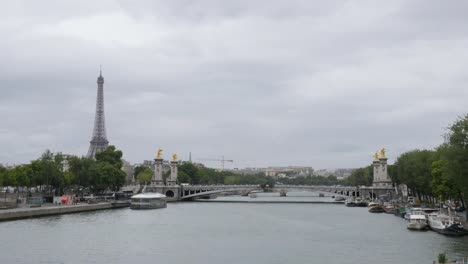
{"x": 170, "y": 193}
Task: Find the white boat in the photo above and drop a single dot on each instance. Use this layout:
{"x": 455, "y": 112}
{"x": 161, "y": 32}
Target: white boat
{"x": 340, "y": 199}
{"x": 148, "y": 201}
{"x": 447, "y": 225}
{"x": 417, "y": 221}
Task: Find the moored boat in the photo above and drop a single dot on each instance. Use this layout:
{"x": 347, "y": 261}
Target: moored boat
{"x": 417, "y": 221}
{"x": 376, "y": 209}
{"x": 390, "y": 208}
{"x": 148, "y": 201}
{"x": 340, "y": 199}
{"x": 402, "y": 211}
{"x": 361, "y": 203}
{"x": 350, "y": 203}
{"x": 446, "y": 225}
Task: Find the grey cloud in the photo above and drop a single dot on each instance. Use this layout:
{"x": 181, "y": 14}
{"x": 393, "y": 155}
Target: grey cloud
{"x": 261, "y": 82}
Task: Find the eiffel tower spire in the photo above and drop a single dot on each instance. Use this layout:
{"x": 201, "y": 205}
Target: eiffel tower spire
{"x": 99, "y": 141}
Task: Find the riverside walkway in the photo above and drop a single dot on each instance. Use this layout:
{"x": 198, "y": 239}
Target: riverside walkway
{"x": 47, "y": 210}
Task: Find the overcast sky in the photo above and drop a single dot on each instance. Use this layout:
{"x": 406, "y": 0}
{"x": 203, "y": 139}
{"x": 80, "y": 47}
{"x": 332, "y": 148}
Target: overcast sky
{"x": 265, "y": 83}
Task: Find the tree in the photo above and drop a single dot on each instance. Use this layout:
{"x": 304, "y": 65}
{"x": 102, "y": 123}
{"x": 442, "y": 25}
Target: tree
{"x": 414, "y": 168}
{"x": 23, "y": 175}
{"x": 191, "y": 171}
{"x": 455, "y": 153}
{"x": 50, "y": 169}
{"x": 138, "y": 169}
{"x": 110, "y": 177}
{"x": 84, "y": 171}
{"x": 111, "y": 156}
{"x": 145, "y": 176}
{"x": 2, "y": 169}
{"x": 443, "y": 185}
{"x": 183, "y": 177}
{"x": 361, "y": 176}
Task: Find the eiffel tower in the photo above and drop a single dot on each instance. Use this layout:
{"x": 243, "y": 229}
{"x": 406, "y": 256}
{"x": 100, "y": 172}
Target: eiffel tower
{"x": 99, "y": 141}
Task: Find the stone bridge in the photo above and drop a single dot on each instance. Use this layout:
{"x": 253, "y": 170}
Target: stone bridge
{"x": 188, "y": 192}
{"x": 194, "y": 191}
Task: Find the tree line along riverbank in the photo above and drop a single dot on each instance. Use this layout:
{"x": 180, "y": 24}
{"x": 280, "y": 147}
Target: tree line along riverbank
{"x": 441, "y": 172}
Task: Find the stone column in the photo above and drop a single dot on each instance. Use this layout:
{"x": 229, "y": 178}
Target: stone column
{"x": 384, "y": 178}
{"x": 158, "y": 180}
{"x": 173, "y": 178}
{"x": 376, "y": 178}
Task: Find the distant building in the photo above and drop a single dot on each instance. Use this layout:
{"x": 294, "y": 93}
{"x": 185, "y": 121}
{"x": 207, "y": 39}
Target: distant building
{"x": 343, "y": 173}
{"x": 282, "y": 172}
{"x": 129, "y": 169}
{"x": 324, "y": 172}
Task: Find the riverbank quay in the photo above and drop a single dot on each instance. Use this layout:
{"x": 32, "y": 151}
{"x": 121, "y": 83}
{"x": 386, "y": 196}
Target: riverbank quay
{"x": 49, "y": 210}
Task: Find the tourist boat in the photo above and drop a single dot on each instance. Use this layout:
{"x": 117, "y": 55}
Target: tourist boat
{"x": 148, "y": 201}
{"x": 446, "y": 225}
{"x": 372, "y": 204}
{"x": 417, "y": 220}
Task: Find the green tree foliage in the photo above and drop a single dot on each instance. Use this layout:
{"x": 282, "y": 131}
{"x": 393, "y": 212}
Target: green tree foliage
{"x": 443, "y": 185}
{"x": 361, "y": 176}
{"x": 189, "y": 170}
{"x": 47, "y": 172}
{"x": 310, "y": 180}
{"x": 455, "y": 153}
{"x": 414, "y": 168}
{"x": 189, "y": 173}
{"x": 111, "y": 156}
{"x": 183, "y": 177}
{"x": 138, "y": 169}
{"x": 145, "y": 176}
{"x": 84, "y": 173}
{"x": 110, "y": 177}
{"x": 238, "y": 179}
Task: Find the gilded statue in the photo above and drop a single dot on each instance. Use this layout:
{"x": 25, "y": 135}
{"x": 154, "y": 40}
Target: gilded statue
{"x": 382, "y": 153}
{"x": 174, "y": 157}
{"x": 376, "y": 156}
{"x": 159, "y": 156}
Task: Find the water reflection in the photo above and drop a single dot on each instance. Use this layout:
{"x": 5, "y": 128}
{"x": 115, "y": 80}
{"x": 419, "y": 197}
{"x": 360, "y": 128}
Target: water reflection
{"x": 224, "y": 233}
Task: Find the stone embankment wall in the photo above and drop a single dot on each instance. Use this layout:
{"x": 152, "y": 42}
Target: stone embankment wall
{"x": 21, "y": 213}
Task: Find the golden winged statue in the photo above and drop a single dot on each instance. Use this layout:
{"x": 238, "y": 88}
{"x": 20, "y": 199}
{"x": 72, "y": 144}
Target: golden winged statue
{"x": 159, "y": 155}
{"x": 174, "y": 157}
{"x": 376, "y": 156}
{"x": 382, "y": 153}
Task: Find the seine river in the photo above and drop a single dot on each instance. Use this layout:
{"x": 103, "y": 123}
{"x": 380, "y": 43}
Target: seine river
{"x": 196, "y": 232}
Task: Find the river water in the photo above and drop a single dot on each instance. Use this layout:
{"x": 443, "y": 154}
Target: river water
{"x": 196, "y": 232}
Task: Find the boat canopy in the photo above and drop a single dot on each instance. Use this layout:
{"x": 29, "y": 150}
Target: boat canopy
{"x": 148, "y": 196}
{"x": 417, "y": 216}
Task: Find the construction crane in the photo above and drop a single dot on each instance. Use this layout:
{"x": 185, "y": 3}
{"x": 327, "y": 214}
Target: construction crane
{"x": 222, "y": 160}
